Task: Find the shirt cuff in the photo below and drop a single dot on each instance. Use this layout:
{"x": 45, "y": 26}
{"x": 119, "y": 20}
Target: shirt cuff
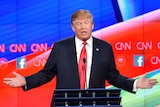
{"x": 134, "y": 86}
{"x": 25, "y": 87}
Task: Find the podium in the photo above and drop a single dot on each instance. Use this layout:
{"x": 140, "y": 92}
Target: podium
{"x": 96, "y": 97}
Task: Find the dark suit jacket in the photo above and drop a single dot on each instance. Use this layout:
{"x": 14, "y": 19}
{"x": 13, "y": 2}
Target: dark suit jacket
{"x": 62, "y": 63}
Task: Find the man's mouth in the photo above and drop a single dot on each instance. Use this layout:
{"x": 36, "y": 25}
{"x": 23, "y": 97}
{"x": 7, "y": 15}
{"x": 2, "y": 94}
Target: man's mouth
{"x": 83, "y": 32}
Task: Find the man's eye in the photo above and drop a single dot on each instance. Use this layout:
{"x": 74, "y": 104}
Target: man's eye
{"x": 78, "y": 23}
{"x": 86, "y": 22}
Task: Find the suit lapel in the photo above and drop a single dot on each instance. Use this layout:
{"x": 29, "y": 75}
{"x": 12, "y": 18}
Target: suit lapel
{"x": 73, "y": 57}
{"x": 95, "y": 58}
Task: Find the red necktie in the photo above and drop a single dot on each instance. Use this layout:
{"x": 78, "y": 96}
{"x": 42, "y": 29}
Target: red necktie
{"x": 82, "y": 66}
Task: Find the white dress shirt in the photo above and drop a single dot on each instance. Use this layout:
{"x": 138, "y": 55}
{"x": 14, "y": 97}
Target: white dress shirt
{"x": 89, "y": 49}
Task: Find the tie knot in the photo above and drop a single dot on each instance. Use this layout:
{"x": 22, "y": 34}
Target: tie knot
{"x": 84, "y": 42}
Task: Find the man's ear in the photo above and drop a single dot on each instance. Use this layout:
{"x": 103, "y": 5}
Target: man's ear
{"x": 93, "y": 26}
{"x": 72, "y": 28}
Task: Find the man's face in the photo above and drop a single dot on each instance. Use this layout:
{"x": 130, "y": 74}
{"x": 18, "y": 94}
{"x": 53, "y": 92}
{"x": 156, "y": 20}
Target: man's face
{"x": 82, "y": 28}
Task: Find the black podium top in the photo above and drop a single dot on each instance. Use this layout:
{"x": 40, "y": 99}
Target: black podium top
{"x": 86, "y": 97}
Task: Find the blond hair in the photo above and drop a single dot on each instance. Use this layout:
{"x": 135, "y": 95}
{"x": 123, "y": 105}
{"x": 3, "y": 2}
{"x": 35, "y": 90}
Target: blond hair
{"x": 82, "y": 13}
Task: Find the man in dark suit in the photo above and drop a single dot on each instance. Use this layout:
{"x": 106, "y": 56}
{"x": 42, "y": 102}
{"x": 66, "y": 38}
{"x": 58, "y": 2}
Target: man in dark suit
{"x": 64, "y": 57}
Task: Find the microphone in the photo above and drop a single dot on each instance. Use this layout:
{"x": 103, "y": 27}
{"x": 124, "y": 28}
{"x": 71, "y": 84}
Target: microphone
{"x": 84, "y": 60}
{"x": 85, "y": 67}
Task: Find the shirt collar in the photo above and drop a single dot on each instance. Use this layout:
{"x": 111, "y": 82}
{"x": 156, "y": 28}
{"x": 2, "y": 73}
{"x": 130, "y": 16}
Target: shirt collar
{"x": 79, "y": 42}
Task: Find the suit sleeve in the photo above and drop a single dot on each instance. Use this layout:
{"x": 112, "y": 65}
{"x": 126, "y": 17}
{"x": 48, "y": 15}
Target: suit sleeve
{"x": 115, "y": 78}
{"x": 45, "y": 75}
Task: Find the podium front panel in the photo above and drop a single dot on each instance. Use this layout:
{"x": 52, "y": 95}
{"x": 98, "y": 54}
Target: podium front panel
{"x": 87, "y": 98}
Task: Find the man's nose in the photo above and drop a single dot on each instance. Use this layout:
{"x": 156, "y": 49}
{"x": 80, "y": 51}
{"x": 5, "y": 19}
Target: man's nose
{"x": 83, "y": 25}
